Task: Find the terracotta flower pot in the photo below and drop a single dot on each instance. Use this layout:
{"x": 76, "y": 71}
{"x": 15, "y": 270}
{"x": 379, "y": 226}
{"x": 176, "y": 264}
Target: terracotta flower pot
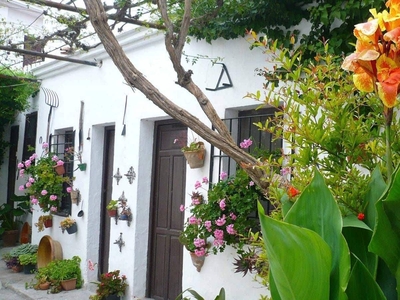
{"x": 198, "y": 261}
{"x": 10, "y": 238}
{"x": 48, "y": 251}
{"x": 17, "y": 268}
{"x": 112, "y": 213}
{"x": 48, "y": 223}
{"x": 69, "y": 284}
{"x": 44, "y": 286}
{"x": 60, "y": 170}
{"x": 195, "y": 159}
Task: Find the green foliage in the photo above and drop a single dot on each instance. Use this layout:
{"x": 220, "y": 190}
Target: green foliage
{"x": 113, "y": 204}
{"x": 28, "y": 259}
{"x": 220, "y": 296}
{"x": 330, "y": 20}
{"x": 317, "y": 242}
{"x": 10, "y": 214}
{"x": 226, "y": 215}
{"x": 23, "y": 249}
{"x": 111, "y": 283}
{"x": 327, "y": 123}
{"x": 64, "y": 269}
{"x": 43, "y": 184}
{"x": 14, "y": 94}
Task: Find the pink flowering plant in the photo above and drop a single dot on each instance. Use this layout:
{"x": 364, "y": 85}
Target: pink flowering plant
{"x": 225, "y": 218}
{"x": 43, "y": 184}
{"x": 111, "y": 283}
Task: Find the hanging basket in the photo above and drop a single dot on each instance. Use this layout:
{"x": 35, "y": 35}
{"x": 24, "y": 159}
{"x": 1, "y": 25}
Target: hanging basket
{"x": 195, "y": 159}
{"x": 198, "y": 261}
{"x": 48, "y": 251}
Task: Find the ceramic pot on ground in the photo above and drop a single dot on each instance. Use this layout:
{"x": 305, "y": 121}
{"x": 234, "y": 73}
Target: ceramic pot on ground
{"x": 48, "y": 251}
{"x": 69, "y": 284}
{"x": 29, "y": 269}
{"x": 72, "y": 229}
{"x": 10, "y": 238}
{"x": 44, "y": 286}
{"x": 112, "y": 297}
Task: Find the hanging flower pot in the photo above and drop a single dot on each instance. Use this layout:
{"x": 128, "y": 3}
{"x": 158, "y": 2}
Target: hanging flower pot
{"x": 112, "y": 213}
{"x": 72, "y": 229}
{"x": 198, "y": 261}
{"x": 82, "y": 167}
{"x": 195, "y": 158}
{"x": 75, "y": 196}
{"x": 60, "y": 170}
{"x": 48, "y": 223}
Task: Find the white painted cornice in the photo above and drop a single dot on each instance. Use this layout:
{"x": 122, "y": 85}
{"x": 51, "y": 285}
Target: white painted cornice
{"x": 129, "y": 40}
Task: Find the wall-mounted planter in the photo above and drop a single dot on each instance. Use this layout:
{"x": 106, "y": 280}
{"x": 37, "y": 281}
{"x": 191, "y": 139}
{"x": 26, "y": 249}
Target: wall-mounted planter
{"x": 60, "y": 170}
{"x": 198, "y": 261}
{"x": 72, "y": 229}
{"x": 48, "y": 223}
{"x": 48, "y": 251}
{"x": 195, "y": 159}
{"x": 82, "y": 167}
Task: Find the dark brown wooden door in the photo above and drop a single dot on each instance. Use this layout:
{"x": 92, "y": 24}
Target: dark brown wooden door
{"x": 108, "y": 165}
{"x": 166, "y": 253}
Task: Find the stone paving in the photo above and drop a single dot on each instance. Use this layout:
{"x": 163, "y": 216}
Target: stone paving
{"x": 13, "y": 286}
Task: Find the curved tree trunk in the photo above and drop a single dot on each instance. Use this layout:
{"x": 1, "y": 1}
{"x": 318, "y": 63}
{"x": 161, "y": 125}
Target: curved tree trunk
{"x": 220, "y": 138}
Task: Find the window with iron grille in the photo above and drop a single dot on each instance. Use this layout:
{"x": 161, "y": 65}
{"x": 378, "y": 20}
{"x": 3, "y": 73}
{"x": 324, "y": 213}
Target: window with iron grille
{"x": 242, "y": 127}
{"x": 58, "y": 143}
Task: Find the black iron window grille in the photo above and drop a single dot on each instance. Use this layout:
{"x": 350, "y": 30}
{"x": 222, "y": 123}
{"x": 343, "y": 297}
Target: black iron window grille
{"x": 242, "y": 127}
{"x": 58, "y": 144}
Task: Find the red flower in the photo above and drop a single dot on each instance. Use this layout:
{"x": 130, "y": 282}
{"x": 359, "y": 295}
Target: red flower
{"x": 361, "y": 216}
{"x": 292, "y": 191}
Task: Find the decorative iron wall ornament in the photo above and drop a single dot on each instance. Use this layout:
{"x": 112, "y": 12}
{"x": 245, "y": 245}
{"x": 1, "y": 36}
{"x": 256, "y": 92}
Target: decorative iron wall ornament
{"x": 224, "y": 85}
{"x": 117, "y": 176}
{"x": 120, "y": 242}
{"x": 131, "y": 175}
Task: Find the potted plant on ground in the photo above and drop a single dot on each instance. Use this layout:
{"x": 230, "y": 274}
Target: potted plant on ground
{"x": 112, "y": 286}
{"x": 68, "y": 224}
{"x": 42, "y": 279}
{"x": 112, "y": 208}
{"x": 10, "y": 219}
{"x": 12, "y": 258}
{"x": 44, "y": 221}
{"x": 28, "y": 261}
{"x": 65, "y": 273}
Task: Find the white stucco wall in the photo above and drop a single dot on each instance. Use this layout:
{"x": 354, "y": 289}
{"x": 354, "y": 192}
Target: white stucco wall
{"x": 103, "y": 92}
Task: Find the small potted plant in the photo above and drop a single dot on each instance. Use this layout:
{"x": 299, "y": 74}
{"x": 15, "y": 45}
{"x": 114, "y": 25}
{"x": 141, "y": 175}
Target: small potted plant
{"x": 68, "y": 224}
{"x": 42, "y": 279}
{"x": 65, "y": 273}
{"x": 12, "y": 258}
{"x": 112, "y": 208}
{"x": 44, "y": 221}
{"x": 28, "y": 261}
{"x": 194, "y": 153}
{"x": 112, "y": 286}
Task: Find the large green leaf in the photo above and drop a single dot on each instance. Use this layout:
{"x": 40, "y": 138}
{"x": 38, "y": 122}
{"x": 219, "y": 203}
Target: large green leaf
{"x": 300, "y": 260}
{"x": 375, "y": 190}
{"x": 362, "y": 285}
{"x": 358, "y": 239}
{"x": 386, "y": 237}
{"x": 317, "y": 210}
